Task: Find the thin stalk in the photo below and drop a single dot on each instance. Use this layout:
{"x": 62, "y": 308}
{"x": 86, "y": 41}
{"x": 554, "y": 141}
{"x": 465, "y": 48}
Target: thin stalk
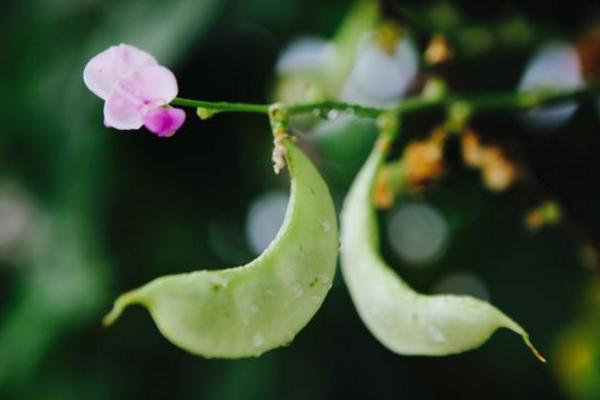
{"x": 495, "y": 101}
{"x": 222, "y": 106}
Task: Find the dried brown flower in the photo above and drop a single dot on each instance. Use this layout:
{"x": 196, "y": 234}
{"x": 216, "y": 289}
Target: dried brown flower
{"x": 424, "y": 159}
{"x": 438, "y": 50}
{"x": 498, "y": 170}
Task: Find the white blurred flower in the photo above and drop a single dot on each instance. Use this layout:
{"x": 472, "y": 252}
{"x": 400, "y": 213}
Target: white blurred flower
{"x": 555, "y": 65}
{"x": 381, "y": 78}
{"x": 306, "y": 55}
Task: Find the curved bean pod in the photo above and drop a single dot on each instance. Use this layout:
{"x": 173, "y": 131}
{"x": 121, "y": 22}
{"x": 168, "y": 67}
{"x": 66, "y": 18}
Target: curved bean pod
{"x": 403, "y": 320}
{"x": 247, "y": 310}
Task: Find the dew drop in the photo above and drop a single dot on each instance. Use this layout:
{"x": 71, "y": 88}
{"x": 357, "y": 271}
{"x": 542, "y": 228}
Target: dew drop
{"x": 253, "y": 308}
{"x": 435, "y": 334}
{"x": 324, "y": 279}
{"x": 297, "y": 290}
{"x": 258, "y": 340}
{"x": 326, "y": 226}
{"x": 315, "y": 299}
{"x": 218, "y": 282}
{"x": 332, "y": 114}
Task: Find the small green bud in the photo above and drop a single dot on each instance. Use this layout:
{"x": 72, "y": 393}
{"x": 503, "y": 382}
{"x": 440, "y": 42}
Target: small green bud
{"x": 205, "y": 113}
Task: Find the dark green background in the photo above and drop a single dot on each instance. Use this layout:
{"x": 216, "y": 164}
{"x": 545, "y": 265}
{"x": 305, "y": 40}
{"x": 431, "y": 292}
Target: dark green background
{"x": 118, "y": 209}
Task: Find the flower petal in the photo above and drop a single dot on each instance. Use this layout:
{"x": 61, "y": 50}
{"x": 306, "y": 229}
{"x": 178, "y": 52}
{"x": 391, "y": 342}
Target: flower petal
{"x": 379, "y": 78}
{"x": 164, "y": 122}
{"x": 556, "y": 65}
{"x": 306, "y": 55}
{"x": 154, "y": 86}
{"x": 122, "y": 111}
{"x": 104, "y": 70}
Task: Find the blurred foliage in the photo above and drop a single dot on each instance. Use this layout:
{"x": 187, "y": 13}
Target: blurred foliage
{"x": 113, "y": 210}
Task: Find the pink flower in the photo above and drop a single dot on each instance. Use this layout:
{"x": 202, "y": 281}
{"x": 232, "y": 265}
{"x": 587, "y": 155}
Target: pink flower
{"x": 136, "y": 90}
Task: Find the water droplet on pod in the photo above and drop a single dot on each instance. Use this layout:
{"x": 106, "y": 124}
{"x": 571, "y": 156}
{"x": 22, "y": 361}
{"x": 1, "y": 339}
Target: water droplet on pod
{"x": 258, "y": 340}
{"x": 324, "y": 279}
{"x": 435, "y": 334}
{"x": 297, "y": 290}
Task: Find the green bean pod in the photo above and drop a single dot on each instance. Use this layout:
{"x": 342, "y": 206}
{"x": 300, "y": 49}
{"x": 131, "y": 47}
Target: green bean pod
{"x": 247, "y": 310}
{"x": 403, "y": 320}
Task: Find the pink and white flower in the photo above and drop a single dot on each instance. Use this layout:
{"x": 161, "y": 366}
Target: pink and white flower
{"x": 136, "y": 90}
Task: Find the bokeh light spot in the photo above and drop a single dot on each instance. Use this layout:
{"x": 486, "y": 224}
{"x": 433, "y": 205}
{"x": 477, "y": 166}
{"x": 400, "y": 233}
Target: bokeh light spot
{"x": 418, "y": 233}
{"x": 264, "y": 219}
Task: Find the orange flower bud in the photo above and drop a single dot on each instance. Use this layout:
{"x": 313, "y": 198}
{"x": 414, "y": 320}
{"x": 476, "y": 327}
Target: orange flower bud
{"x": 497, "y": 171}
{"x": 438, "y": 50}
{"x": 472, "y": 150}
{"x": 382, "y": 191}
{"x": 547, "y": 213}
{"x": 424, "y": 159}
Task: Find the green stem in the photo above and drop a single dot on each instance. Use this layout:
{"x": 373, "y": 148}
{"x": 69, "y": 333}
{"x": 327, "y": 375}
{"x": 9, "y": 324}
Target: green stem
{"x": 222, "y": 106}
{"x": 325, "y": 107}
{"x": 496, "y": 101}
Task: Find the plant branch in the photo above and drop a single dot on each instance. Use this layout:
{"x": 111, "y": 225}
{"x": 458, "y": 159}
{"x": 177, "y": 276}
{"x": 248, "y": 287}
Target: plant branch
{"x": 222, "y": 106}
{"x": 472, "y": 103}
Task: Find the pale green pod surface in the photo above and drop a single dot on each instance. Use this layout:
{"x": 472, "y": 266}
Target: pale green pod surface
{"x": 247, "y": 310}
{"x": 405, "y": 321}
